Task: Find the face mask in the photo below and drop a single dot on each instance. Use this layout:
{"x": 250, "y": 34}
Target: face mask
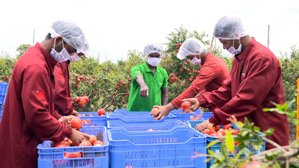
{"x": 62, "y": 56}
{"x": 153, "y": 61}
{"x": 196, "y": 61}
{"x": 74, "y": 58}
{"x": 234, "y": 51}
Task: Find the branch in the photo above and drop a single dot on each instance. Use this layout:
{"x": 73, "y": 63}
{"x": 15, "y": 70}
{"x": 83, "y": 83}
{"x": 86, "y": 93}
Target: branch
{"x": 274, "y": 144}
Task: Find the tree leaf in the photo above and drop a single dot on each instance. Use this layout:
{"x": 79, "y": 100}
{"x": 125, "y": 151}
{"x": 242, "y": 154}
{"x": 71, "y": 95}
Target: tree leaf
{"x": 239, "y": 154}
{"x": 256, "y": 129}
{"x": 240, "y": 124}
{"x": 211, "y": 152}
{"x": 213, "y": 143}
{"x": 269, "y": 131}
{"x": 229, "y": 141}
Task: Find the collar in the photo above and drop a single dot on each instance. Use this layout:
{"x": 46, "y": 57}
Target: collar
{"x": 49, "y": 59}
{"x": 245, "y": 52}
{"x": 147, "y": 69}
{"x": 207, "y": 56}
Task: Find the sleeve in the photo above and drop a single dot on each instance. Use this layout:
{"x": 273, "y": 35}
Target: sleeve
{"x": 136, "y": 70}
{"x": 62, "y": 100}
{"x": 205, "y": 76}
{"x": 165, "y": 81}
{"x": 261, "y": 77}
{"x": 56, "y": 115}
{"x": 36, "y": 95}
{"x": 217, "y": 98}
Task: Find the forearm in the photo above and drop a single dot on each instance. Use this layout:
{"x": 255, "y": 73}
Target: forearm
{"x": 164, "y": 99}
{"x": 139, "y": 79}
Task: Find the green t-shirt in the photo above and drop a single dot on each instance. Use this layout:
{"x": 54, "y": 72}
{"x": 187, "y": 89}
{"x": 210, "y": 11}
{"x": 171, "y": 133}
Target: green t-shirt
{"x": 154, "y": 84}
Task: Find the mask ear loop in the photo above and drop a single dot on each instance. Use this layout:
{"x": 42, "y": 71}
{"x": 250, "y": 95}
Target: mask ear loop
{"x": 234, "y": 43}
{"x": 54, "y": 43}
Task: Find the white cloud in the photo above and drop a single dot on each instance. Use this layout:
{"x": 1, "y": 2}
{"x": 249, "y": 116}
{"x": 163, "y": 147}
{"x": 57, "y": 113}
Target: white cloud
{"x": 116, "y": 26}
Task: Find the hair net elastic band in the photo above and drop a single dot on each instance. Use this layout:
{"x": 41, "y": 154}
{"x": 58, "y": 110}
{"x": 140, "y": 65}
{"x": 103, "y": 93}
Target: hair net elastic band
{"x": 237, "y": 37}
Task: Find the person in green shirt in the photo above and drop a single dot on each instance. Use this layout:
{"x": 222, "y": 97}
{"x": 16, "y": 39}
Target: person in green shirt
{"x": 149, "y": 84}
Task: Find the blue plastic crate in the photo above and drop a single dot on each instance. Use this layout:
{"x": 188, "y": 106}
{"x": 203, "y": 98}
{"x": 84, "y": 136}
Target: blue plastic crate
{"x": 216, "y": 148}
{"x": 1, "y": 111}
{"x": 95, "y": 120}
{"x": 120, "y": 110}
{"x": 154, "y": 149}
{"x": 184, "y": 117}
{"x": 166, "y": 125}
{"x": 138, "y": 117}
{"x": 3, "y": 91}
{"x": 93, "y": 157}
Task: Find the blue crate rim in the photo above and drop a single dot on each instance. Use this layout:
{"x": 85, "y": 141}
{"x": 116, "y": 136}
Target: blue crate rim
{"x": 197, "y": 136}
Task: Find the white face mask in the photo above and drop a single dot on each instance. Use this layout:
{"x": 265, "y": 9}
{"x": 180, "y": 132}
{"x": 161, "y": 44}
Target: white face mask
{"x": 74, "y": 58}
{"x": 234, "y": 51}
{"x": 196, "y": 61}
{"x": 62, "y": 56}
{"x": 153, "y": 61}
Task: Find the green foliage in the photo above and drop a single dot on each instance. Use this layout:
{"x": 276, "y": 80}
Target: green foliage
{"x": 22, "y": 49}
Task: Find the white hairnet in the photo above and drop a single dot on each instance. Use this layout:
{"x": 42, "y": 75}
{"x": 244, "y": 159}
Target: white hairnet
{"x": 153, "y": 48}
{"x": 229, "y": 28}
{"x": 191, "y": 46}
{"x": 71, "y": 34}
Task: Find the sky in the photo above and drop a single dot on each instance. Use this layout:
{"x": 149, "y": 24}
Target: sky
{"x": 113, "y": 27}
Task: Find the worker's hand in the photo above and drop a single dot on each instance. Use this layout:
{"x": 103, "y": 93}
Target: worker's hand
{"x": 74, "y": 113}
{"x": 66, "y": 119}
{"x": 199, "y": 94}
{"x": 144, "y": 91}
{"x": 202, "y": 126}
{"x": 163, "y": 111}
{"x": 194, "y": 102}
{"x": 77, "y": 137}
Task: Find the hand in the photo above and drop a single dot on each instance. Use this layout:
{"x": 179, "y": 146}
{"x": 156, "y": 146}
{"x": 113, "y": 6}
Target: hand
{"x": 144, "y": 91}
{"x": 194, "y": 102}
{"x": 199, "y": 94}
{"x": 163, "y": 111}
{"x": 77, "y": 137}
{"x": 66, "y": 119}
{"x": 202, "y": 126}
{"x": 74, "y": 113}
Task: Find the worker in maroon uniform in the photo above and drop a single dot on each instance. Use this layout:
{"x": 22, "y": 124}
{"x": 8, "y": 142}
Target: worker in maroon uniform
{"x": 63, "y": 100}
{"x": 211, "y": 75}
{"x": 254, "y": 82}
{"x": 27, "y": 118}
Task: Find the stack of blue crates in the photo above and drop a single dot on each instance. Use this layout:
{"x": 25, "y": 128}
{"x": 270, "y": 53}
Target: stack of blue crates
{"x": 137, "y": 140}
{"x": 3, "y": 92}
